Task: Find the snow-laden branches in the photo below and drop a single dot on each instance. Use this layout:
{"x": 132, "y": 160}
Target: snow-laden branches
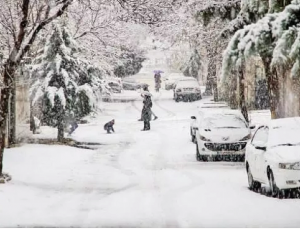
{"x": 275, "y": 36}
{"x": 22, "y": 21}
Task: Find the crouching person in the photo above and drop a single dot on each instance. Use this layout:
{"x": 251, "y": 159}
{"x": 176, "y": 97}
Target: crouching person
{"x": 109, "y": 126}
{"x": 73, "y": 126}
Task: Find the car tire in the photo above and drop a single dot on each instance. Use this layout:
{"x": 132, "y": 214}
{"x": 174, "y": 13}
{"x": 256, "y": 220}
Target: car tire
{"x": 253, "y": 185}
{"x": 198, "y": 155}
{"x": 193, "y": 138}
{"x": 185, "y": 99}
{"x": 176, "y": 99}
{"x": 273, "y": 188}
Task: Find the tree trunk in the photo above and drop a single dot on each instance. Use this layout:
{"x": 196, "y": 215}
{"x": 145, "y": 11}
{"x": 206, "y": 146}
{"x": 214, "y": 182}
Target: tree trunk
{"x": 232, "y": 91}
{"x": 12, "y": 115}
{"x": 215, "y": 90}
{"x": 273, "y": 88}
{"x": 32, "y": 122}
{"x": 8, "y": 78}
{"x": 60, "y": 126}
{"x": 211, "y": 74}
{"x": 242, "y": 101}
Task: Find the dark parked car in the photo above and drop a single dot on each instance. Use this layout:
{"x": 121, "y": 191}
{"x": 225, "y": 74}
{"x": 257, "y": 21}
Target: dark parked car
{"x": 132, "y": 84}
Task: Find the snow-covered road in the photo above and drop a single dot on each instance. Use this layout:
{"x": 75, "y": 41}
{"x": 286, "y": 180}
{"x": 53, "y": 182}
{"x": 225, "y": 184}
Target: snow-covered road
{"x": 135, "y": 179}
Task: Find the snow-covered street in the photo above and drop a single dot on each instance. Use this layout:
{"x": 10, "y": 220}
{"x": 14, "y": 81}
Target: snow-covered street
{"x": 135, "y": 179}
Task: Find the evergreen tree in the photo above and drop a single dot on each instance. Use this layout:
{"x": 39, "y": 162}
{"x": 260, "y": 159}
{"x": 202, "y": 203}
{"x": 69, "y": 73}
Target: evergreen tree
{"x": 193, "y": 66}
{"x": 62, "y": 80}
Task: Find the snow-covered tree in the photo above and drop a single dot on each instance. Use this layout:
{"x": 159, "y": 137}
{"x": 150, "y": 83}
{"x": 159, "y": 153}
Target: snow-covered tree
{"x": 193, "y": 66}
{"x": 275, "y": 39}
{"x": 66, "y": 85}
{"x": 20, "y": 23}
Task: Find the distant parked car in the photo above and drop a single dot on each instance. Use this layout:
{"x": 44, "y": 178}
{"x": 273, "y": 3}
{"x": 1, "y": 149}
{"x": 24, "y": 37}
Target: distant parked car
{"x": 205, "y": 107}
{"x": 221, "y": 134}
{"x": 187, "y": 90}
{"x": 273, "y": 156}
{"x": 132, "y": 84}
{"x": 171, "y": 79}
{"x": 115, "y": 85}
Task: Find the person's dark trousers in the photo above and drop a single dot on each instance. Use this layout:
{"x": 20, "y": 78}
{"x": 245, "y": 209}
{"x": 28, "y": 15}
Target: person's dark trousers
{"x": 146, "y": 125}
{"x": 73, "y": 128}
{"x": 109, "y": 129}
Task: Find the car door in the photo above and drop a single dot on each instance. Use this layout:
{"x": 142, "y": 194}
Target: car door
{"x": 250, "y": 153}
{"x": 261, "y": 153}
{"x": 258, "y": 146}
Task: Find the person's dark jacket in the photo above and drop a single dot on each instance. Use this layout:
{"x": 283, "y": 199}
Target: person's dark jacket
{"x": 109, "y": 125}
{"x": 146, "y": 112}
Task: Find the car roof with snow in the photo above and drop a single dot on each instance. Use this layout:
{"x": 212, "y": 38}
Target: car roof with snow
{"x": 285, "y": 123}
{"x": 188, "y": 83}
{"x": 175, "y": 75}
{"x": 208, "y": 105}
{"x": 284, "y": 131}
{"x": 187, "y": 79}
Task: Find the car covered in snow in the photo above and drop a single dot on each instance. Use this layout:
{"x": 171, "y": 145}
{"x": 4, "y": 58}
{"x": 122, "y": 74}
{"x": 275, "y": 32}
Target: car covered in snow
{"x": 115, "y": 85}
{"x": 207, "y": 106}
{"x": 221, "y": 134}
{"x": 129, "y": 83}
{"x": 171, "y": 80}
{"x": 273, "y": 156}
{"x": 187, "y": 90}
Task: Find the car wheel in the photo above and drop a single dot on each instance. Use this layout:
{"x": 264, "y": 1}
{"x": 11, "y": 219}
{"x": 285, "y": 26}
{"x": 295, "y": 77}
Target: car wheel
{"x": 198, "y": 156}
{"x": 193, "y": 139}
{"x": 177, "y": 99}
{"x": 185, "y": 99}
{"x": 273, "y": 188}
{"x": 253, "y": 185}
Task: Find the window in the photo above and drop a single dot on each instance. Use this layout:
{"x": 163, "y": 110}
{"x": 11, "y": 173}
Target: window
{"x": 261, "y": 136}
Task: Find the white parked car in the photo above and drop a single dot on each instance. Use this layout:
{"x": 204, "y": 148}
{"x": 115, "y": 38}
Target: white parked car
{"x": 273, "y": 156}
{"x": 187, "y": 90}
{"x": 115, "y": 85}
{"x": 204, "y": 107}
{"x": 221, "y": 134}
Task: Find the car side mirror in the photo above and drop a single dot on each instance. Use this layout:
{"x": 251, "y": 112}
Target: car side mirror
{"x": 252, "y": 127}
{"x": 261, "y": 148}
{"x": 193, "y": 117}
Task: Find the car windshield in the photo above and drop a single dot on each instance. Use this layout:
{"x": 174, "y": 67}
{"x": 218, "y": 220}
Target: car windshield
{"x": 281, "y": 136}
{"x": 221, "y": 121}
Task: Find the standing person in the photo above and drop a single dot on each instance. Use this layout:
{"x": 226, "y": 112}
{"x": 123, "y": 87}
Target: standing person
{"x": 157, "y": 79}
{"x": 109, "y": 126}
{"x": 146, "y": 89}
{"x": 146, "y": 112}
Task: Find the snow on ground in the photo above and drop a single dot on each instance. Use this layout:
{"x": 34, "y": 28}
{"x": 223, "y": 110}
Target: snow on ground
{"x": 135, "y": 179}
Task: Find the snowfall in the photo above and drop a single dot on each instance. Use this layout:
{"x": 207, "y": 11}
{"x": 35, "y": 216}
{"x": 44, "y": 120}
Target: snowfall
{"x": 134, "y": 178}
